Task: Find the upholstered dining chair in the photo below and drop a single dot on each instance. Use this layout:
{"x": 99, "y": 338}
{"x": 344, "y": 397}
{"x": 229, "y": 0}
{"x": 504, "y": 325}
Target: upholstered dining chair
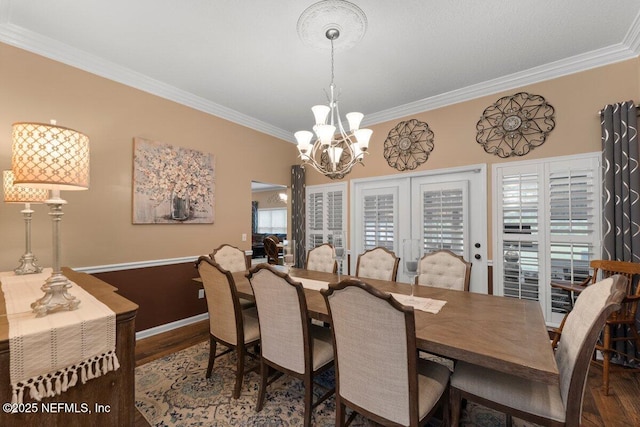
{"x": 229, "y": 324}
{"x": 444, "y": 269}
{"x": 271, "y": 249}
{"x": 230, "y": 258}
{"x": 378, "y": 372}
{"x": 321, "y": 258}
{"x": 545, "y": 404}
{"x": 290, "y": 343}
{"x": 234, "y": 260}
{"x": 377, "y": 263}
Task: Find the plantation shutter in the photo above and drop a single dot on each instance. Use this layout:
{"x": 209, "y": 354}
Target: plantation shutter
{"x": 325, "y": 213}
{"x": 444, "y": 217}
{"x": 379, "y": 221}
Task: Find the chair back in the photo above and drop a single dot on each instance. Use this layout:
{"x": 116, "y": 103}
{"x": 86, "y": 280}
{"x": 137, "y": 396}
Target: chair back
{"x": 378, "y": 263}
{"x": 230, "y": 258}
{"x": 606, "y": 268}
{"x": 225, "y": 316}
{"x": 579, "y": 335}
{"x": 444, "y": 269}
{"x": 375, "y": 350}
{"x": 282, "y": 314}
{"x": 271, "y": 249}
{"x": 321, "y": 258}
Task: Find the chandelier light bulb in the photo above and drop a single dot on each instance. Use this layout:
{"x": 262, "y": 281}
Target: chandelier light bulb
{"x": 363, "y": 136}
{"x": 320, "y": 112}
{"x": 325, "y": 133}
{"x": 354, "y": 120}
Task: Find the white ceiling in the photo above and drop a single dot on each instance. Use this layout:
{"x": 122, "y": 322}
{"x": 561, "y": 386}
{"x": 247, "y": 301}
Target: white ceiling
{"x": 243, "y": 60}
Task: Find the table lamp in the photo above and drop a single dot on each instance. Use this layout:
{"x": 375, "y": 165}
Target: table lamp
{"x": 55, "y": 158}
{"x": 26, "y": 195}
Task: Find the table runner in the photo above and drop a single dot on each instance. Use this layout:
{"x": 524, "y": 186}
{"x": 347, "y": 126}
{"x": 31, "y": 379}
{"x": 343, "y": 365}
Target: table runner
{"x": 48, "y": 353}
{"x": 419, "y": 303}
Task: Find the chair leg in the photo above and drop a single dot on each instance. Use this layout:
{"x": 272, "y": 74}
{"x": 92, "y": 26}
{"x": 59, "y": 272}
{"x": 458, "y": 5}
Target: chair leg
{"x": 264, "y": 377}
{"x": 509, "y": 420}
{"x": 239, "y": 370}
{"x": 454, "y": 406}
{"x": 212, "y": 355}
{"x": 606, "y": 358}
{"x": 339, "y": 412}
{"x": 308, "y": 400}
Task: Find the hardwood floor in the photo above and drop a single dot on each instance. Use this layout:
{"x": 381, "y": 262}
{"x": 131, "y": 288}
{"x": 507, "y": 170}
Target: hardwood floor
{"x": 621, "y": 408}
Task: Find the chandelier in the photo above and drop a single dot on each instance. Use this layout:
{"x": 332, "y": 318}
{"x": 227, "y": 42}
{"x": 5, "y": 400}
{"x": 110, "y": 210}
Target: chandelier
{"x": 334, "y": 151}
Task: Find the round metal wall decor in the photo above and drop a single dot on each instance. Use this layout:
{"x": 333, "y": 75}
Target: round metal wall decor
{"x": 408, "y": 145}
{"x": 515, "y": 125}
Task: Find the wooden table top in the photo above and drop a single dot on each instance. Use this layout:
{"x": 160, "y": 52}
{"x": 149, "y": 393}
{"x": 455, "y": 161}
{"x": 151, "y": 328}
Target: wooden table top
{"x": 505, "y": 334}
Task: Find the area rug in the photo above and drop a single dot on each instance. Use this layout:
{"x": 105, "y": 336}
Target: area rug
{"x": 173, "y": 391}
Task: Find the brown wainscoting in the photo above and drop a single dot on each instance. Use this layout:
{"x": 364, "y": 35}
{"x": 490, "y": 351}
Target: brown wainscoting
{"x": 164, "y": 293}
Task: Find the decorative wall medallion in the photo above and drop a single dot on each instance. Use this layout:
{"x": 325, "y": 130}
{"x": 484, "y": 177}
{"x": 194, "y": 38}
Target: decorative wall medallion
{"x": 515, "y": 124}
{"x": 408, "y": 145}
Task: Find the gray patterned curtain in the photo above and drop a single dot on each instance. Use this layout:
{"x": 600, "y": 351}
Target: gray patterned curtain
{"x": 621, "y": 185}
{"x": 298, "y": 200}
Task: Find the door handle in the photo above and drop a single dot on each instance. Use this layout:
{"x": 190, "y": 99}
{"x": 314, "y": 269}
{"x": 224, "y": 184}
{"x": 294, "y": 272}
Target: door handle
{"x": 477, "y": 256}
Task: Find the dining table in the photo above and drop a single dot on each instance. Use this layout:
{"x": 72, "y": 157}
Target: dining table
{"x": 505, "y": 334}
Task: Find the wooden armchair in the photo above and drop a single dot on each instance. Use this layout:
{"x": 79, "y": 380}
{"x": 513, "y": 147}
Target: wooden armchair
{"x": 271, "y": 249}
{"x": 378, "y": 263}
{"x": 623, "y": 320}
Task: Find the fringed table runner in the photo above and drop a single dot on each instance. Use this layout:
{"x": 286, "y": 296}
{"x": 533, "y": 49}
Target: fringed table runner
{"x": 50, "y": 354}
{"x": 316, "y": 285}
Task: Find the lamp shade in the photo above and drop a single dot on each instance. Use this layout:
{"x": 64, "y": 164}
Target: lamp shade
{"x": 20, "y": 194}
{"x": 50, "y": 157}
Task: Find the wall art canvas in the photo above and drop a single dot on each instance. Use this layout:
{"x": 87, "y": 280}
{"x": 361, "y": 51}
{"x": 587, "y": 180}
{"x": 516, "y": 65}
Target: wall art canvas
{"x": 172, "y": 184}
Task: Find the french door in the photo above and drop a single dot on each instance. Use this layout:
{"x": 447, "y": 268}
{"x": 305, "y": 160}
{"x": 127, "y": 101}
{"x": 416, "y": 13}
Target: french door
{"x": 443, "y": 209}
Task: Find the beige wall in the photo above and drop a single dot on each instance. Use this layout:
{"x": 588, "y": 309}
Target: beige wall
{"x": 576, "y": 98}
{"x": 96, "y": 227}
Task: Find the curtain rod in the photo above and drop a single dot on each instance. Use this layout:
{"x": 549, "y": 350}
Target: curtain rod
{"x": 637, "y": 112}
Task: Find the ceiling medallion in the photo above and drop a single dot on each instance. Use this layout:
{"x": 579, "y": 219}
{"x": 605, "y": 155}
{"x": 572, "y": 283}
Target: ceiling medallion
{"x": 515, "y": 125}
{"x": 408, "y": 145}
{"x": 341, "y": 15}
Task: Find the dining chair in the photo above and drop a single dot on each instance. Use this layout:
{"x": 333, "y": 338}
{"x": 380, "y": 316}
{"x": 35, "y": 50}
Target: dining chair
{"x": 444, "y": 269}
{"x": 229, "y": 324}
{"x": 377, "y": 263}
{"x": 234, "y": 260}
{"x": 558, "y": 404}
{"x": 378, "y": 372}
{"x": 621, "y": 325}
{"x": 322, "y": 258}
{"x": 271, "y": 249}
{"x": 290, "y": 343}
{"x": 230, "y": 258}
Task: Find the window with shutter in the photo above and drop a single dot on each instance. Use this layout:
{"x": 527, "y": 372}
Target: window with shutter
{"x": 325, "y": 212}
{"x": 444, "y": 218}
{"x": 548, "y": 216}
{"x": 379, "y": 221}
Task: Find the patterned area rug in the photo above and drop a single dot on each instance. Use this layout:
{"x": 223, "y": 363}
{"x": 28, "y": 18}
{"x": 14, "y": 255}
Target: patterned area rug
{"x": 173, "y": 391}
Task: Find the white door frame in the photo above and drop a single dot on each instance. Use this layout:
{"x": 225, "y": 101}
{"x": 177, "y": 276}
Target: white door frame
{"x": 478, "y": 205}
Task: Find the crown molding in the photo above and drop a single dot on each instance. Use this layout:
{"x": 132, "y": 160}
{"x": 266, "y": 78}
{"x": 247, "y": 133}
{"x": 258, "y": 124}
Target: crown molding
{"x": 574, "y": 64}
{"x": 28, "y": 40}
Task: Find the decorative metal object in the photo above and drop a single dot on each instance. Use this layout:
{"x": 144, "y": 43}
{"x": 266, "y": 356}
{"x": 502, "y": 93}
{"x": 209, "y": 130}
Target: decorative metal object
{"x": 408, "y": 145}
{"x": 515, "y": 124}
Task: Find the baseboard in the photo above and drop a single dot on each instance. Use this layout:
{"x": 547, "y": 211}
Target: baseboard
{"x": 170, "y": 326}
